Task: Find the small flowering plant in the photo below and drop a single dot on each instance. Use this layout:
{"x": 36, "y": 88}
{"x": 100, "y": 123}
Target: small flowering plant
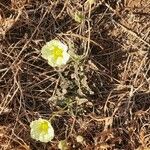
{"x": 55, "y": 52}
{"x": 41, "y": 130}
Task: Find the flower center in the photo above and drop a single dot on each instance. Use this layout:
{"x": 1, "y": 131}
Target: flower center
{"x": 43, "y": 127}
{"x": 57, "y": 52}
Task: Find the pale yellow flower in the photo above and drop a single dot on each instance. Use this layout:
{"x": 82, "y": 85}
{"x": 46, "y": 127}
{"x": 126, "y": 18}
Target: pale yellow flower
{"x": 55, "y": 52}
{"x": 79, "y": 139}
{"x": 62, "y": 145}
{"x": 42, "y": 130}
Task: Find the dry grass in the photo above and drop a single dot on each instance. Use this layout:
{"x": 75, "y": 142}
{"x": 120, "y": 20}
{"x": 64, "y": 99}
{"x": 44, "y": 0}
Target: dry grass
{"x": 105, "y": 97}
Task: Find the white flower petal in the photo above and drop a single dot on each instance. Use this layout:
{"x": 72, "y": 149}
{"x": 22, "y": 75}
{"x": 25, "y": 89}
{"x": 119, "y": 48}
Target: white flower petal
{"x": 51, "y": 62}
{"x": 46, "y": 50}
{"x": 59, "y": 61}
{"x": 66, "y": 57}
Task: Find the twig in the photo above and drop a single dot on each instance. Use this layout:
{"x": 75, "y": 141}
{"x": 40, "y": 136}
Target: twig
{"x": 126, "y": 28}
{"x": 132, "y": 33}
